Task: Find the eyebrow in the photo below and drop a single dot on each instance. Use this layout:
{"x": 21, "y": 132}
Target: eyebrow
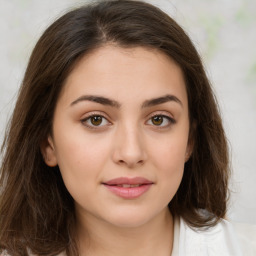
{"x": 97, "y": 99}
{"x": 161, "y": 100}
{"x": 115, "y": 104}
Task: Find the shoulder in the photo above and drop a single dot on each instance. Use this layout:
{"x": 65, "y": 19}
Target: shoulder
{"x": 246, "y": 235}
{"x": 4, "y": 253}
{"x": 225, "y": 238}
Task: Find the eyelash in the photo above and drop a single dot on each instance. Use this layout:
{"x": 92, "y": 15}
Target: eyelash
{"x": 89, "y": 119}
{"x": 84, "y": 121}
{"x": 169, "y": 119}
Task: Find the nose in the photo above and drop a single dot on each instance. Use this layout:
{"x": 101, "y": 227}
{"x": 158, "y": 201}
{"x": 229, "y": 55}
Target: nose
{"x": 129, "y": 148}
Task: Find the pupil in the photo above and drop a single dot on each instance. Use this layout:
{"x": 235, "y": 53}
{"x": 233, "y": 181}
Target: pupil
{"x": 96, "y": 120}
{"x": 157, "y": 120}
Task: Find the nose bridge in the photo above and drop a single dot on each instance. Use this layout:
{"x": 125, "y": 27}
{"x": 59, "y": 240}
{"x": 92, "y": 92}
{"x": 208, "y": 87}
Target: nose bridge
{"x": 130, "y": 148}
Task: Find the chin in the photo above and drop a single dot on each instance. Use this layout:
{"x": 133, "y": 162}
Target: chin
{"x": 131, "y": 219}
{"x": 129, "y": 223}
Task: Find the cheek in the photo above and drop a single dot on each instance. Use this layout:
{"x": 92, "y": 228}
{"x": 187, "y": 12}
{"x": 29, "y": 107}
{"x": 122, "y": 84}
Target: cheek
{"x": 80, "y": 159}
{"x": 169, "y": 158}
{"x": 169, "y": 154}
{"x": 77, "y": 148}
{"x": 171, "y": 169}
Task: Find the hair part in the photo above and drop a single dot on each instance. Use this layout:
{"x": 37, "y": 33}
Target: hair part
{"x": 36, "y": 210}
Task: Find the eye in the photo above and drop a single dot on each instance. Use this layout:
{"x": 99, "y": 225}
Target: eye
{"x": 161, "y": 121}
{"x": 94, "y": 121}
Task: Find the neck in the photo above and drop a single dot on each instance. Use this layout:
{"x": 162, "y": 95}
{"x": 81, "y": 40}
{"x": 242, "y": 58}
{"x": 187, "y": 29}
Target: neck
{"x": 96, "y": 237}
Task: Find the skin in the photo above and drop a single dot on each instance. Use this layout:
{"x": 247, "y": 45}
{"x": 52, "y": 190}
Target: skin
{"x": 126, "y": 142}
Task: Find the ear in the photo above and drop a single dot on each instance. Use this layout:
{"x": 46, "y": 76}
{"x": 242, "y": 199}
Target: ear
{"x": 189, "y": 150}
{"x": 48, "y": 152}
{"x": 191, "y": 141}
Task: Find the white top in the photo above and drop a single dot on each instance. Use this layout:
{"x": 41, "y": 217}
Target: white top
{"x": 224, "y": 239}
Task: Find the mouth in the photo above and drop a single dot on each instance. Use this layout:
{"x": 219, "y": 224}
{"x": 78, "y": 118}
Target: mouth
{"x": 128, "y": 185}
{"x": 128, "y": 188}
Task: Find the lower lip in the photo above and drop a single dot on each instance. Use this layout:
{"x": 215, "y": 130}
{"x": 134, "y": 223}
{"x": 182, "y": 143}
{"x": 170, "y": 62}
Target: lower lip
{"x": 129, "y": 193}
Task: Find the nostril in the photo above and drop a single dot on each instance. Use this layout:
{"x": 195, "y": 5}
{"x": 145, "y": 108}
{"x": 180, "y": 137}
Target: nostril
{"x": 131, "y": 163}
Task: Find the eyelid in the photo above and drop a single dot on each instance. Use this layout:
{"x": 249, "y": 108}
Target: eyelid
{"x": 92, "y": 114}
{"x": 163, "y": 114}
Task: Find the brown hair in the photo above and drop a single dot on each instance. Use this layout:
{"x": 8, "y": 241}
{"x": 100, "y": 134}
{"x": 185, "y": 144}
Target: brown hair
{"x": 36, "y": 210}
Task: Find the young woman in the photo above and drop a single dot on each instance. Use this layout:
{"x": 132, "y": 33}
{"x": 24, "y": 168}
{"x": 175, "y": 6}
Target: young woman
{"x": 116, "y": 145}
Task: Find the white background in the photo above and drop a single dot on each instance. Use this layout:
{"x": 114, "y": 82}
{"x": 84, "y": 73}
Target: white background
{"x": 224, "y": 32}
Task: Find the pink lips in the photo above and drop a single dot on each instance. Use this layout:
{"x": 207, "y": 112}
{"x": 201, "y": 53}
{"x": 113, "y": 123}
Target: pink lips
{"x": 128, "y": 188}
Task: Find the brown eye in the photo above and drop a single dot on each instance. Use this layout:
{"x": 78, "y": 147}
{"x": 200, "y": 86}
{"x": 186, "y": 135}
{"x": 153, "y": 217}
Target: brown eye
{"x": 161, "y": 121}
{"x": 96, "y": 120}
{"x": 157, "y": 120}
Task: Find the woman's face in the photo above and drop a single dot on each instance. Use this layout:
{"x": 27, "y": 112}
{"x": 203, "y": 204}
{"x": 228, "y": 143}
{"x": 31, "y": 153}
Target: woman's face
{"x": 120, "y": 135}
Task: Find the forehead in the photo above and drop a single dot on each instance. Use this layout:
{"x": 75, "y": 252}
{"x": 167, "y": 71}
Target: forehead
{"x": 125, "y": 73}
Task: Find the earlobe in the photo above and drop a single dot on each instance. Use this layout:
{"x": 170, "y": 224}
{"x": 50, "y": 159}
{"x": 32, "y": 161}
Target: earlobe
{"x": 190, "y": 148}
{"x": 48, "y": 152}
{"x": 188, "y": 153}
{"x": 191, "y": 142}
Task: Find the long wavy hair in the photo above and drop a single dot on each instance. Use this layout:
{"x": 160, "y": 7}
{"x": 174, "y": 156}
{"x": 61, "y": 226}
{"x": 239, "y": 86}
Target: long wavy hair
{"x": 36, "y": 210}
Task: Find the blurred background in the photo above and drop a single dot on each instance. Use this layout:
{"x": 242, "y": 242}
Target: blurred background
{"x": 223, "y": 31}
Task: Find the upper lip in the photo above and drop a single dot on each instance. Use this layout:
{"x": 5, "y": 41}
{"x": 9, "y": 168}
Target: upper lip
{"x": 126, "y": 180}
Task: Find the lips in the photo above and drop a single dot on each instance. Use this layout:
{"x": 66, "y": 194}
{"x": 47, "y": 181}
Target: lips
{"x": 128, "y": 188}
